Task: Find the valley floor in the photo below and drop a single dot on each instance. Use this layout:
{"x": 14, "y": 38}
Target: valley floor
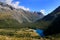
{"x": 23, "y": 34}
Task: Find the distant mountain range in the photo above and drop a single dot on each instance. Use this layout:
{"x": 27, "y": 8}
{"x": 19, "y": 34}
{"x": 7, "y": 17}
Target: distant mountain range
{"x": 22, "y": 16}
{"x": 11, "y": 17}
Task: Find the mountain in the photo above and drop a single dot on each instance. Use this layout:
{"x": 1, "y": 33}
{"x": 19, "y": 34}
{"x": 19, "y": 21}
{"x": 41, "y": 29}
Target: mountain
{"x": 48, "y": 19}
{"x": 11, "y": 17}
{"x": 54, "y": 27}
{"x": 20, "y": 15}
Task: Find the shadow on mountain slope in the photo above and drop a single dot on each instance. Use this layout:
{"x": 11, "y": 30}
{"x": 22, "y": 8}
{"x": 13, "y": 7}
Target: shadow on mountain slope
{"x": 54, "y": 28}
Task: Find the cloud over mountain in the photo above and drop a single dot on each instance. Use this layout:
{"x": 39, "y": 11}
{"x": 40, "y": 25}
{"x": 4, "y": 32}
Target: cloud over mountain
{"x": 43, "y": 11}
{"x": 14, "y": 4}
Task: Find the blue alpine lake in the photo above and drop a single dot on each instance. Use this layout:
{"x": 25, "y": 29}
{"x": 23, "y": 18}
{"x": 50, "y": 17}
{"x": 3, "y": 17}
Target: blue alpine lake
{"x": 40, "y": 32}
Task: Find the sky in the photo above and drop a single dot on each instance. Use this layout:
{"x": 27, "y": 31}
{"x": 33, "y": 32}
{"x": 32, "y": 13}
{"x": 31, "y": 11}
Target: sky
{"x": 44, "y": 6}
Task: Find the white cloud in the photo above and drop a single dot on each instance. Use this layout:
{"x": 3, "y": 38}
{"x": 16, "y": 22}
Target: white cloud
{"x": 15, "y": 4}
{"x": 43, "y": 11}
{"x": 24, "y": 8}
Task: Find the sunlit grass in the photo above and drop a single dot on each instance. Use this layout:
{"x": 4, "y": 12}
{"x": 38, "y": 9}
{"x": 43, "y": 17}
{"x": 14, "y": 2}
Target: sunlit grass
{"x": 17, "y": 35}
{"x": 23, "y": 34}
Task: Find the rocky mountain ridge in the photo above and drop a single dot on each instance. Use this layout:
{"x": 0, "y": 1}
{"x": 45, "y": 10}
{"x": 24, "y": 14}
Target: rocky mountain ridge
{"x": 22, "y": 16}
